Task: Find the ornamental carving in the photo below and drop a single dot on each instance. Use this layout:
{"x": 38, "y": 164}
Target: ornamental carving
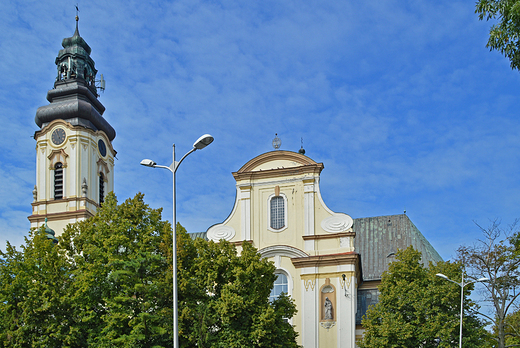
{"x": 219, "y": 232}
{"x": 337, "y": 223}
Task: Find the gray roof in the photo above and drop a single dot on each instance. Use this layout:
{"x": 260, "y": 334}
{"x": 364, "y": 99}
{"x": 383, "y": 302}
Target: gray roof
{"x": 379, "y": 237}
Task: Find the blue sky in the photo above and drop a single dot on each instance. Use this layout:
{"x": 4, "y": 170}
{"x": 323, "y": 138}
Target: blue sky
{"x": 400, "y": 100}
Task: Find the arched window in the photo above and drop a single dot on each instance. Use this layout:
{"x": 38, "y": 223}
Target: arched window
{"x": 280, "y": 285}
{"x": 58, "y": 181}
{"x": 101, "y": 188}
{"x": 277, "y": 212}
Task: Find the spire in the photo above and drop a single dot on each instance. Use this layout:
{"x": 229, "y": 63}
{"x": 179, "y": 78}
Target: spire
{"x": 74, "y": 96}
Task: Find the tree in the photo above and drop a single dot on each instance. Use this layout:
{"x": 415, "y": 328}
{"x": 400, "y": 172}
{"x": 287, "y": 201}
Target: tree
{"x": 121, "y": 290}
{"x": 224, "y": 297}
{"x": 418, "y": 309}
{"x": 496, "y": 259}
{"x": 505, "y": 35}
{"x": 108, "y": 283}
{"x": 35, "y": 310}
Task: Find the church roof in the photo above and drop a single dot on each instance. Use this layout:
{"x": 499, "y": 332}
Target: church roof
{"x": 378, "y": 239}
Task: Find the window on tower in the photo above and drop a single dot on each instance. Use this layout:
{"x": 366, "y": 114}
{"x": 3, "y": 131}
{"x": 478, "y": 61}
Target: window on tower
{"x": 58, "y": 180}
{"x": 101, "y": 188}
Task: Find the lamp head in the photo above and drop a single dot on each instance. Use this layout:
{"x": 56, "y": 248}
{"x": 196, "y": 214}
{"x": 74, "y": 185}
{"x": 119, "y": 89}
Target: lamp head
{"x": 482, "y": 279}
{"x": 203, "y": 141}
{"x": 442, "y": 276}
{"x": 148, "y": 163}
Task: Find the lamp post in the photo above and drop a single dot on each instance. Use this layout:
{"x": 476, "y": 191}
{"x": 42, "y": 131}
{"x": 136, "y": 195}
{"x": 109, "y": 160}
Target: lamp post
{"x": 201, "y": 143}
{"x": 462, "y": 285}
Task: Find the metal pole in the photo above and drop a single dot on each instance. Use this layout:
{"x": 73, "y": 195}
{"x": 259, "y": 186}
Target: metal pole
{"x": 461, "y": 308}
{"x": 174, "y": 252}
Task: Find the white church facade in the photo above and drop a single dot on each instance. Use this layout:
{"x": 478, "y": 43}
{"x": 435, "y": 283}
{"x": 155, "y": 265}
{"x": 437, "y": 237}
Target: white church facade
{"x": 329, "y": 263}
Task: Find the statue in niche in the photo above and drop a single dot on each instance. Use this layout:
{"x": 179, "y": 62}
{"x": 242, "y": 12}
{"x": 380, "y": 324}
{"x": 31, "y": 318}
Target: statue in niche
{"x": 328, "y": 309}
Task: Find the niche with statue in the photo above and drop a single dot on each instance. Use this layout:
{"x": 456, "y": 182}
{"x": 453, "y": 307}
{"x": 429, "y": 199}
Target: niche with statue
{"x": 327, "y": 305}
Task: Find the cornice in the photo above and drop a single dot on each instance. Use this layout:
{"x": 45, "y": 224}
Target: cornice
{"x": 69, "y": 199}
{"x": 349, "y": 258}
{"x": 329, "y": 236}
{"x": 278, "y": 172}
{"x": 273, "y": 156}
{"x": 81, "y": 213}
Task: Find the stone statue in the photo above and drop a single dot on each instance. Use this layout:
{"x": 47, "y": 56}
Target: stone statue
{"x": 328, "y": 309}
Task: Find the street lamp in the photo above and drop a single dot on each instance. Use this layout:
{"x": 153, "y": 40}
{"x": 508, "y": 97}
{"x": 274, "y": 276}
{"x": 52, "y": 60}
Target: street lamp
{"x": 201, "y": 143}
{"x": 462, "y": 285}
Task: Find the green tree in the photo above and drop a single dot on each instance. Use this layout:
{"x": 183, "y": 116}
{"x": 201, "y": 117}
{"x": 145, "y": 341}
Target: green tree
{"x": 505, "y": 35}
{"x": 35, "y": 309}
{"x": 108, "y": 283}
{"x": 494, "y": 257}
{"x": 418, "y": 309}
{"x": 121, "y": 291}
{"x": 513, "y": 329}
{"x": 224, "y": 297}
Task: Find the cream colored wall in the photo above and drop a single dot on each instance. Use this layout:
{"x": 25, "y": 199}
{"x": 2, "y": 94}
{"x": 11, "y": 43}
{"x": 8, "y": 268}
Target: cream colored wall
{"x": 80, "y": 156}
{"x": 307, "y": 215}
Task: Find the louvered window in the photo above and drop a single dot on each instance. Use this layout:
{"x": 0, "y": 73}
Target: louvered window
{"x": 58, "y": 181}
{"x": 101, "y": 188}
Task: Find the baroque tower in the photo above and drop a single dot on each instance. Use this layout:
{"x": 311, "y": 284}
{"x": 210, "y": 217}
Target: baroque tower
{"x": 74, "y": 153}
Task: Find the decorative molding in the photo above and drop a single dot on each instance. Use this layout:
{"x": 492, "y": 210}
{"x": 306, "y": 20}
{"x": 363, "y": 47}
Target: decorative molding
{"x": 77, "y": 214}
{"x": 336, "y": 223}
{"x": 282, "y": 250}
{"x": 218, "y": 232}
{"x": 57, "y": 156}
{"x": 349, "y": 258}
{"x": 329, "y": 236}
{"x": 309, "y": 283}
{"x": 327, "y": 324}
{"x": 276, "y": 155}
{"x": 279, "y": 172}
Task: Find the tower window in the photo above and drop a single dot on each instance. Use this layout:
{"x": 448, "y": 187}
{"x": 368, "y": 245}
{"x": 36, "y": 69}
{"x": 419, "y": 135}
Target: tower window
{"x": 101, "y": 188}
{"x": 277, "y": 210}
{"x": 58, "y": 181}
{"x": 280, "y": 285}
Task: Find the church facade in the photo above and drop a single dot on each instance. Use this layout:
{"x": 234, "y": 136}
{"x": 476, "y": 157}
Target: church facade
{"x": 74, "y": 153}
{"x": 329, "y": 263}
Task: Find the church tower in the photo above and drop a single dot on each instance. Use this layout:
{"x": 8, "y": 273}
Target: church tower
{"x": 74, "y": 153}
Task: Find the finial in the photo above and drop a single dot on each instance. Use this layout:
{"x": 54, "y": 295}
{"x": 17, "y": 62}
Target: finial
{"x": 77, "y": 20}
{"x": 276, "y": 142}
{"x": 302, "y": 150}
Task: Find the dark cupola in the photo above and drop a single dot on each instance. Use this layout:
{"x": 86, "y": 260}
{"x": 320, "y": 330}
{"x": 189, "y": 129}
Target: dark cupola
{"x": 74, "y": 96}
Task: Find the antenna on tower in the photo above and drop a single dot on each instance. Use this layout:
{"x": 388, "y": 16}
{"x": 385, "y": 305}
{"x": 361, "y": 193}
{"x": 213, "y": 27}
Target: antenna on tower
{"x": 100, "y": 84}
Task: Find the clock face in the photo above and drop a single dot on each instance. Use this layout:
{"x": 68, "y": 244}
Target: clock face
{"x": 58, "y": 136}
{"x": 102, "y": 148}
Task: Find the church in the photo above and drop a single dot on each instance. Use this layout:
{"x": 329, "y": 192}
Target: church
{"x": 328, "y": 262}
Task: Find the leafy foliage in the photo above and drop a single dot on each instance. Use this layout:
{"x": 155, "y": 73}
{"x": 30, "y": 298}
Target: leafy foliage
{"x": 225, "y": 298}
{"x": 418, "y": 309}
{"x": 109, "y": 283}
{"x": 505, "y": 35}
{"x": 35, "y": 308}
{"x": 495, "y": 258}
